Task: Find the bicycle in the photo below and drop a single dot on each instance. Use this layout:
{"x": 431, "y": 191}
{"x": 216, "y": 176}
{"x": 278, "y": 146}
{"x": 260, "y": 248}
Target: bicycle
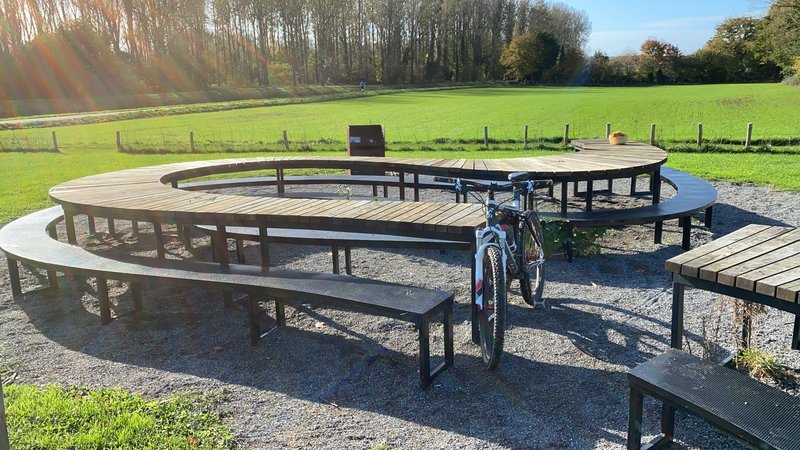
{"x": 510, "y": 246}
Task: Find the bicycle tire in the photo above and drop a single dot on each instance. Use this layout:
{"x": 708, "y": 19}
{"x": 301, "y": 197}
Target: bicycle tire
{"x": 531, "y": 285}
{"x": 493, "y": 314}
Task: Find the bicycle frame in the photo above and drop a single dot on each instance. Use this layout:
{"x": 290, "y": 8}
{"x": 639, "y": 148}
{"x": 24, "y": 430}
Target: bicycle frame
{"x": 491, "y": 236}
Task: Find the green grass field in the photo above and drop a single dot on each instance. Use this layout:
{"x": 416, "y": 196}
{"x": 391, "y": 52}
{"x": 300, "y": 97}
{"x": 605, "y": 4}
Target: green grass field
{"x": 447, "y": 123}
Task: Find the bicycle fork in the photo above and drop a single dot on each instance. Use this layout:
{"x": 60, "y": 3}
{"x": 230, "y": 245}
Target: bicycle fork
{"x": 485, "y": 238}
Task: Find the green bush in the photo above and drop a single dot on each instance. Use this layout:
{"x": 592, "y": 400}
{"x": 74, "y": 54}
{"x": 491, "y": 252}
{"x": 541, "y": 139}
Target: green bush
{"x": 560, "y": 235}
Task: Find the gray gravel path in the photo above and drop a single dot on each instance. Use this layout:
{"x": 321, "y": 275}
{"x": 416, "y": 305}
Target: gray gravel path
{"x": 334, "y": 379}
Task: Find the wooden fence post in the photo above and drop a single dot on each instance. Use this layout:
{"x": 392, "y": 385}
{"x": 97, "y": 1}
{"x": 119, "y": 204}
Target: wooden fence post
{"x": 652, "y": 134}
{"x": 285, "y": 141}
{"x": 566, "y": 134}
{"x": 55, "y": 142}
{"x": 699, "y": 134}
{"x": 525, "y": 141}
{"x": 191, "y": 140}
{"x": 486, "y": 136}
{"x": 119, "y": 142}
{"x": 749, "y": 137}
{"x": 608, "y": 129}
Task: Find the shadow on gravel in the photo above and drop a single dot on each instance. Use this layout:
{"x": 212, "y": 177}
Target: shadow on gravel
{"x": 318, "y": 358}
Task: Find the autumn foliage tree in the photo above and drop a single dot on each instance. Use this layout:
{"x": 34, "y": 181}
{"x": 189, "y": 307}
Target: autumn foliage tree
{"x": 529, "y": 56}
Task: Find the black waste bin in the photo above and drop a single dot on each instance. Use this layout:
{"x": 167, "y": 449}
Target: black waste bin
{"x": 366, "y": 140}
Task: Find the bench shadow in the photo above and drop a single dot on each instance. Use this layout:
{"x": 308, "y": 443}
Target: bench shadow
{"x": 372, "y": 368}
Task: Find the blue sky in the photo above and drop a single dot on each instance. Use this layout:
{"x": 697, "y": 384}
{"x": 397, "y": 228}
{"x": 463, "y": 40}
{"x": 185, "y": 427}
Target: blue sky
{"x": 621, "y": 26}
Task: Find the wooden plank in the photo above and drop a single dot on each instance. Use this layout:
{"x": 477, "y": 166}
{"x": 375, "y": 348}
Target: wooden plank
{"x": 749, "y": 280}
{"x": 768, "y": 286}
{"x": 729, "y": 275}
{"x": 693, "y": 267}
{"x": 789, "y": 291}
{"x": 674, "y": 264}
{"x": 747, "y": 260}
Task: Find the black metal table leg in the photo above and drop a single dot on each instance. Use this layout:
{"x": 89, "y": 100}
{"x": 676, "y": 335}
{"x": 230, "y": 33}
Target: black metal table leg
{"x": 159, "y": 234}
{"x": 796, "y": 333}
{"x": 263, "y": 240}
{"x": 92, "y": 225}
{"x": 676, "y": 338}
{"x": 335, "y": 254}
{"x": 348, "y": 261}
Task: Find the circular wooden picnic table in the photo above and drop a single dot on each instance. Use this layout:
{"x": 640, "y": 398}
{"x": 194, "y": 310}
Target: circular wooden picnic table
{"x": 150, "y": 194}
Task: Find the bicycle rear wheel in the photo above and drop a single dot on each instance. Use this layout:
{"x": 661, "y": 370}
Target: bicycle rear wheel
{"x": 531, "y": 281}
{"x": 493, "y": 314}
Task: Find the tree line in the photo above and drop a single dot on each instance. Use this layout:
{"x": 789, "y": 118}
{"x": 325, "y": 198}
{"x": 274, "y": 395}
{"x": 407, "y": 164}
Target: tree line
{"x": 743, "y": 49}
{"x": 68, "y": 48}
{"x": 89, "y": 48}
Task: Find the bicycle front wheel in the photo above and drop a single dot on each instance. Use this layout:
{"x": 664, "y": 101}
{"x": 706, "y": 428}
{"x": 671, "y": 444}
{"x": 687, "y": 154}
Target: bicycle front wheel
{"x": 531, "y": 281}
{"x": 493, "y": 312}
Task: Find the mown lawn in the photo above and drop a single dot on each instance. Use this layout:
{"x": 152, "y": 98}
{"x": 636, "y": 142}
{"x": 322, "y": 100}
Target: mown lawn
{"x": 446, "y": 124}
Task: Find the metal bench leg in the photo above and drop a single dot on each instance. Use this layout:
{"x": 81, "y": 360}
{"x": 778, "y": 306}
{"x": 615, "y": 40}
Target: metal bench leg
{"x": 402, "y": 185}
{"x": 796, "y": 333}
{"x": 424, "y": 353}
{"x": 348, "y": 261}
{"x": 686, "y": 243}
{"x": 385, "y": 191}
{"x": 633, "y": 185}
{"x": 635, "y": 410}
{"x": 659, "y": 232}
{"x": 335, "y": 253}
{"x": 574, "y": 188}
{"x": 447, "y": 322}
{"x": 667, "y": 426}
{"x": 112, "y": 229}
{"x": 52, "y": 276}
{"x": 280, "y": 313}
{"x": 263, "y": 241}
{"x": 252, "y": 316}
{"x": 105, "y": 304}
{"x": 375, "y": 190}
{"x": 551, "y": 190}
{"x": 135, "y": 227}
{"x": 416, "y": 187}
{"x": 136, "y": 296}
{"x": 185, "y": 233}
{"x": 610, "y": 185}
{"x": 13, "y": 272}
{"x": 159, "y": 234}
{"x": 240, "y": 250}
{"x": 564, "y": 193}
{"x": 227, "y": 299}
{"x": 589, "y": 193}
{"x": 709, "y": 217}
{"x": 92, "y": 226}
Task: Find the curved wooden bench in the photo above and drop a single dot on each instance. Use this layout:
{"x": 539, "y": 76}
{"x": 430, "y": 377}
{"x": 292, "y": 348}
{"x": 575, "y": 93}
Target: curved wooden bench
{"x": 25, "y": 240}
{"x": 334, "y": 239}
{"x": 692, "y": 196}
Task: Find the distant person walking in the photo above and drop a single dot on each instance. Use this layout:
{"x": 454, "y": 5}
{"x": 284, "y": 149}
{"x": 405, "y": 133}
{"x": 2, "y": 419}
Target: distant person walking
{"x": 363, "y": 85}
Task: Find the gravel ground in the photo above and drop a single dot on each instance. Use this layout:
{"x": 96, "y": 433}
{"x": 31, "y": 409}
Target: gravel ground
{"x": 334, "y": 379}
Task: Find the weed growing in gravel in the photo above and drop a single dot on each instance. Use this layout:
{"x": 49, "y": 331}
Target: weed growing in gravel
{"x": 759, "y": 364}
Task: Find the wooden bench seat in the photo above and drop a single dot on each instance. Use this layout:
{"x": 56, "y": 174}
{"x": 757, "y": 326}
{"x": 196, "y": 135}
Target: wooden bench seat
{"x": 24, "y": 240}
{"x": 334, "y": 239}
{"x": 759, "y": 414}
{"x": 692, "y": 196}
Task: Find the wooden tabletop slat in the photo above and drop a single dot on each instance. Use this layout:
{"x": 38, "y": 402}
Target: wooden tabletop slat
{"x": 768, "y": 286}
{"x": 789, "y": 292}
{"x": 751, "y": 279}
{"x": 674, "y": 264}
{"x": 728, "y": 265}
{"x": 692, "y": 268}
